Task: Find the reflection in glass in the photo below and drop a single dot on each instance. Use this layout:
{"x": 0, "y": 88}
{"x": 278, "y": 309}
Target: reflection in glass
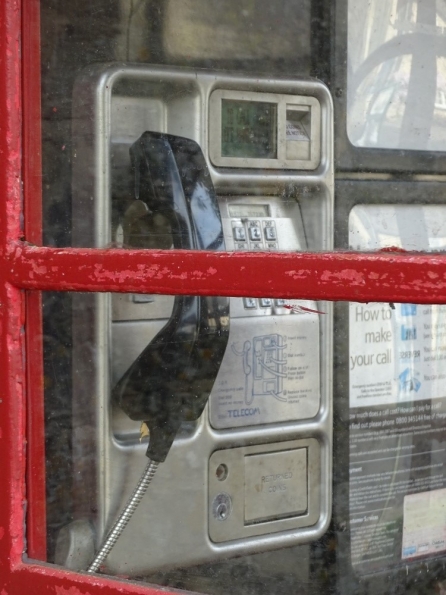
{"x": 397, "y": 74}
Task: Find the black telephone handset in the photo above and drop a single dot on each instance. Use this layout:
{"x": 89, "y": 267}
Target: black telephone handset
{"x": 172, "y": 378}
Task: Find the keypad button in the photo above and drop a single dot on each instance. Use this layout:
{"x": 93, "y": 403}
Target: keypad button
{"x": 249, "y": 303}
{"x": 266, "y": 302}
{"x": 255, "y": 234}
{"x": 280, "y": 303}
{"x": 239, "y": 234}
{"x": 270, "y": 234}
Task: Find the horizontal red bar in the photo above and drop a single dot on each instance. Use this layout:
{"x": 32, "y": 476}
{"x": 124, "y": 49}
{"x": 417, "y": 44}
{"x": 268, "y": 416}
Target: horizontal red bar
{"x": 410, "y": 277}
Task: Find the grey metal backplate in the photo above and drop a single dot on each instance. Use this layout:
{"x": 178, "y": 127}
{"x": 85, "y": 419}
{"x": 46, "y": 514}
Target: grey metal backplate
{"x": 113, "y": 107}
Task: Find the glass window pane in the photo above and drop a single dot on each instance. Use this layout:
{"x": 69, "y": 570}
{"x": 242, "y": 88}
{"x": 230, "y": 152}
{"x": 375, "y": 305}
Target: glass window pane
{"x": 396, "y": 74}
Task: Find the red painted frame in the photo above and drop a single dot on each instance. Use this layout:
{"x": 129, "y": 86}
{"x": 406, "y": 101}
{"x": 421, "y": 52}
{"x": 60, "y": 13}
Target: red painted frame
{"x": 32, "y": 186}
{"x": 356, "y": 277}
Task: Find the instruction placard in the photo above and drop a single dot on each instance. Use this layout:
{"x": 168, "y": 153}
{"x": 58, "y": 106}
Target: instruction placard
{"x": 270, "y": 372}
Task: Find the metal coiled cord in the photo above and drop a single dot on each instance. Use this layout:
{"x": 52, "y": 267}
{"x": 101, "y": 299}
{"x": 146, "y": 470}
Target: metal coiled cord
{"x": 125, "y": 516}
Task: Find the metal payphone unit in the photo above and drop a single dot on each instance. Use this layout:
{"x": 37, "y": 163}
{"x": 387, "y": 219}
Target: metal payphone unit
{"x": 254, "y": 471}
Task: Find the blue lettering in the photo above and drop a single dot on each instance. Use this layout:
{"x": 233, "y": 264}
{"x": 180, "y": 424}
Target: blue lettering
{"x": 244, "y": 412}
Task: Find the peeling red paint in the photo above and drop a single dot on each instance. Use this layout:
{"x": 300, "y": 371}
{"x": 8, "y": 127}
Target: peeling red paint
{"x": 345, "y": 275}
{"x": 350, "y": 276}
{"x": 39, "y": 270}
{"x": 69, "y": 591}
{"x": 295, "y": 275}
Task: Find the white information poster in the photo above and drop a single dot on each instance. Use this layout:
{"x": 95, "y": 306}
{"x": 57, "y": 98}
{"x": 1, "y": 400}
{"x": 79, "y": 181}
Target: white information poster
{"x": 397, "y": 413}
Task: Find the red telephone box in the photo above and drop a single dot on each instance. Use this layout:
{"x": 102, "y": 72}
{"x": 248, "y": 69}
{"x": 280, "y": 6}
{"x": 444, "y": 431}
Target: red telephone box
{"x": 237, "y": 90}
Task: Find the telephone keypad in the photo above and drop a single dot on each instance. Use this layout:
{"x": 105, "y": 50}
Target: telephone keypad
{"x": 256, "y": 235}
{"x": 247, "y": 234}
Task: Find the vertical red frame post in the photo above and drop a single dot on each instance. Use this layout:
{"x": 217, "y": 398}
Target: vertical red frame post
{"x": 32, "y": 187}
{"x": 12, "y": 347}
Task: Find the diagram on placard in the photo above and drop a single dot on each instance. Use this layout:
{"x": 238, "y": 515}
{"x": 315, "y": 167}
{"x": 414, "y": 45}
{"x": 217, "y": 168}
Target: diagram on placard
{"x": 263, "y": 366}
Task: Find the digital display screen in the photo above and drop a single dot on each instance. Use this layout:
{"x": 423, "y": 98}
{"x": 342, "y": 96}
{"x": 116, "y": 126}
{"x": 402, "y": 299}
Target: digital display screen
{"x": 249, "y": 211}
{"x": 248, "y": 129}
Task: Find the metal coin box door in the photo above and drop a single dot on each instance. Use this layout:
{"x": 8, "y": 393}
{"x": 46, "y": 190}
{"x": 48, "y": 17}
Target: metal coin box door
{"x": 253, "y": 471}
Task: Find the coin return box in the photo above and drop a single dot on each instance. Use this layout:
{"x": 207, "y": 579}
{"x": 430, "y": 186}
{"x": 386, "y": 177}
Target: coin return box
{"x": 275, "y": 485}
{"x": 255, "y": 490}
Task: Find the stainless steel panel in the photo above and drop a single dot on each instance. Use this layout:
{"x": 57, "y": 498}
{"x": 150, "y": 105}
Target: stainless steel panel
{"x": 170, "y": 527}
